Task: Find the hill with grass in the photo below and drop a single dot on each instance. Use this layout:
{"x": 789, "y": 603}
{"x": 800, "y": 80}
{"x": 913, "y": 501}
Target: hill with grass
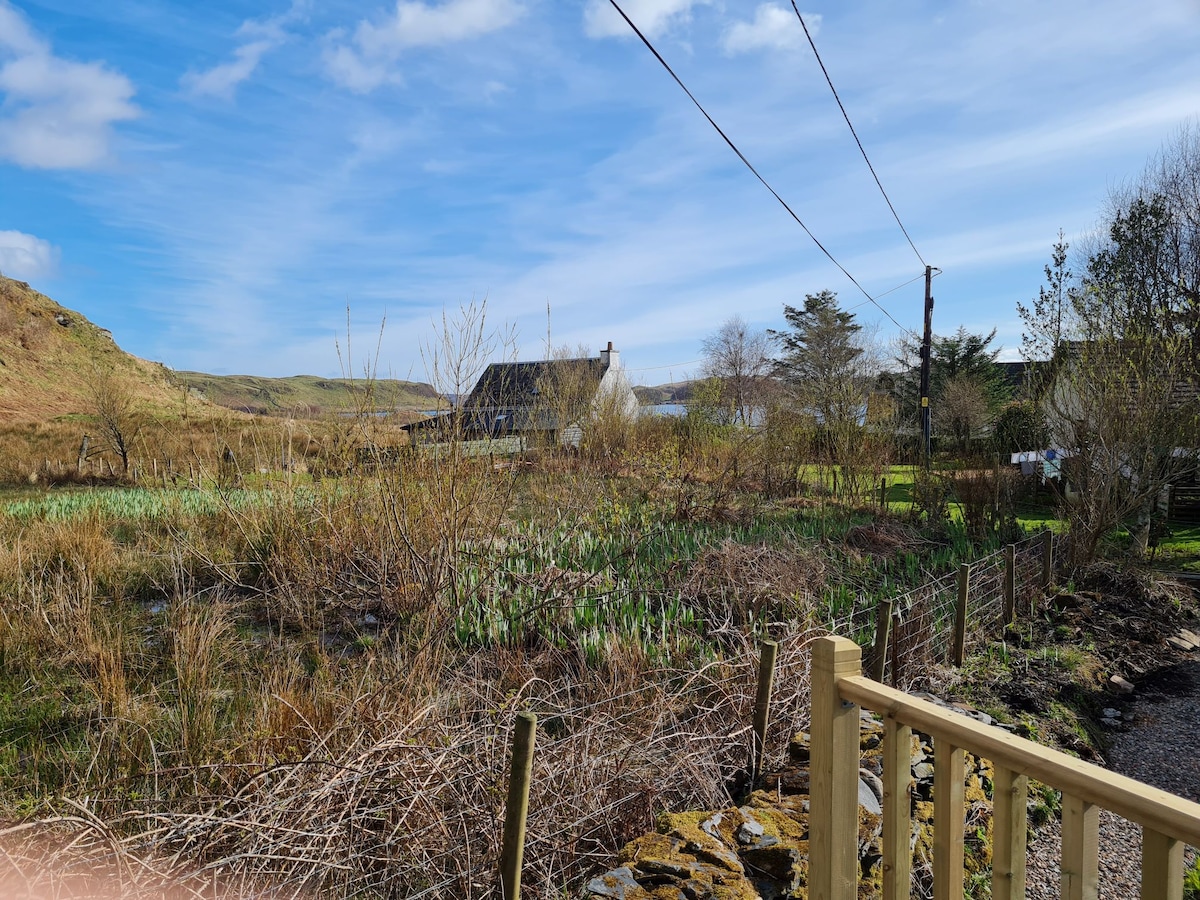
{"x": 675, "y": 392}
{"x": 51, "y": 359}
{"x": 309, "y": 396}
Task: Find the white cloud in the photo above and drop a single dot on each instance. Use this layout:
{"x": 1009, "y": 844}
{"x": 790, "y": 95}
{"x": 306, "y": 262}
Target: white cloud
{"x": 25, "y": 256}
{"x": 259, "y": 38}
{"x": 220, "y": 81}
{"x": 652, "y": 17}
{"x": 366, "y": 61}
{"x": 773, "y": 28}
{"x": 58, "y": 114}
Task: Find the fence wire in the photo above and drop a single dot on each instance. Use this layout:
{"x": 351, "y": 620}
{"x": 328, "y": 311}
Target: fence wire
{"x": 924, "y": 620}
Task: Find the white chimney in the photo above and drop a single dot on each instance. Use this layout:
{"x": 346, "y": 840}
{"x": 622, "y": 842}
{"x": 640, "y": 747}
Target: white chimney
{"x": 610, "y": 358}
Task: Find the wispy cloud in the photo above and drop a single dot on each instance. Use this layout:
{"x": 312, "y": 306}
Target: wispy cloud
{"x": 368, "y": 59}
{"x": 57, "y": 113}
{"x": 773, "y": 28}
{"x": 259, "y": 37}
{"x": 221, "y": 80}
{"x": 653, "y": 17}
{"x": 25, "y": 256}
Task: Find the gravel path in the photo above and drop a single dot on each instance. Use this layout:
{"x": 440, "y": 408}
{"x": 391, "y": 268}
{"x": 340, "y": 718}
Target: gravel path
{"x": 1160, "y": 747}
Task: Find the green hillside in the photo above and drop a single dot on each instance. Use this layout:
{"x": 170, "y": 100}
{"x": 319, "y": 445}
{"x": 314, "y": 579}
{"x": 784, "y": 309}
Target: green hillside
{"x": 51, "y": 357}
{"x": 309, "y": 395}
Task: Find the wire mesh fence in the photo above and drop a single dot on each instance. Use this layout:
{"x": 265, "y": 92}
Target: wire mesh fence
{"x": 931, "y": 624}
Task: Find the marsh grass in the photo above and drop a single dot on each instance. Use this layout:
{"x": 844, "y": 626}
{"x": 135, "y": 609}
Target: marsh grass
{"x": 299, "y": 685}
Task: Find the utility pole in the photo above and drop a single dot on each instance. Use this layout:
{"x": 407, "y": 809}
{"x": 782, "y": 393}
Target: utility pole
{"x": 926, "y": 341}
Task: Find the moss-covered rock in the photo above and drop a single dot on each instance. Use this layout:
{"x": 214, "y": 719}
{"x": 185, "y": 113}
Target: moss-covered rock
{"x": 760, "y": 849}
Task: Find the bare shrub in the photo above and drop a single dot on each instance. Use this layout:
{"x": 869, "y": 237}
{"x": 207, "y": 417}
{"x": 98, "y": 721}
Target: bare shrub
{"x": 406, "y": 798}
{"x": 986, "y": 499}
{"x": 735, "y": 585}
{"x": 884, "y": 538}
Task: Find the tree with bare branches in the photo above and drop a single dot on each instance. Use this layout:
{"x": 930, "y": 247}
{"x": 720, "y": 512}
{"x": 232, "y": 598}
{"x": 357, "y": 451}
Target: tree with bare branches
{"x": 1125, "y": 396}
{"x": 115, "y": 410}
{"x": 740, "y": 357}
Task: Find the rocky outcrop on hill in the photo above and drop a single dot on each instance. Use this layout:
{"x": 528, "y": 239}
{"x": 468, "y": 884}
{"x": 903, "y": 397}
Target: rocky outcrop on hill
{"x": 760, "y": 848}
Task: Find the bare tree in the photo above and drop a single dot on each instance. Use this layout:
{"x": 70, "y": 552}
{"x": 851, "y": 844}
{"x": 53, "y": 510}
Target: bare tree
{"x": 115, "y": 409}
{"x": 565, "y": 392}
{"x": 1123, "y": 408}
{"x": 964, "y": 409}
{"x": 741, "y": 358}
{"x": 1123, "y": 401}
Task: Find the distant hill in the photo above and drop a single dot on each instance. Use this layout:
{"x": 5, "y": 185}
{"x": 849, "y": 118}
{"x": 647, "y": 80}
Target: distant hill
{"x": 50, "y": 356}
{"x": 676, "y": 392}
{"x": 309, "y": 395}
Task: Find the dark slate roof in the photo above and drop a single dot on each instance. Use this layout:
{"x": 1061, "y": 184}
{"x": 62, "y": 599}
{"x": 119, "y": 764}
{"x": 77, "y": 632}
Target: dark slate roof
{"x": 1026, "y": 378}
{"x": 517, "y": 385}
{"x": 1114, "y": 355}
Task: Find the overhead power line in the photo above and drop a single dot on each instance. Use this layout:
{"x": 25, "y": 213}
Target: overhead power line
{"x": 850, "y": 124}
{"x": 893, "y": 290}
{"x": 667, "y": 366}
{"x": 746, "y": 162}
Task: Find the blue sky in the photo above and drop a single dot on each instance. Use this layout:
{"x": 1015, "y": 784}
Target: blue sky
{"x": 218, "y": 182}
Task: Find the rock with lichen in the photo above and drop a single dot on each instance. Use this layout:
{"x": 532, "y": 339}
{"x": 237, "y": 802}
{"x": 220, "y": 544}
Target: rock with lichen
{"x": 760, "y": 849}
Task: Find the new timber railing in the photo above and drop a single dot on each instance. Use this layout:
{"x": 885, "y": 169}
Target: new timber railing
{"x": 839, "y": 689}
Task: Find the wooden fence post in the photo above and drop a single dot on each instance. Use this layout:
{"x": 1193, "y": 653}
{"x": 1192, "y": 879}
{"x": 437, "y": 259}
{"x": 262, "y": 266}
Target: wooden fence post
{"x": 896, "y": 650}
{"x": 883, "y": 494}
{"x": 883, "y": 624}
{"x": 833, "y": 796}
{"x": 1047, "y": 558}
{"x": 762, "y": 705}
{"x": 1010, "y": 584}
{"x": 960, "y": 613}
{"x": 512, "y": 850}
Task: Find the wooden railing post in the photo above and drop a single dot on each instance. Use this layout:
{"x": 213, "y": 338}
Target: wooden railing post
{"x": 833, "y": 773}
{"x": 1011, "y": 793}
{"x": 1010, "y": 584}
{"x": 897, "y": 811}
{"x": 762, "y": 704}
{"x": 1162, "y": 866}
{"x": 949, "y": 780}
{"x": 960, "y": 614}
{"x": 1080, "y": 849}
{"x": 1047, "y": 558}
{"x": 883, "y": 624}
{"x": 512, "y": 850}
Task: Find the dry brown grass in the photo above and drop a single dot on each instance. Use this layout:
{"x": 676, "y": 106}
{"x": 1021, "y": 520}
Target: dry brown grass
{"x": 401, "y": 795}
{"x": 269, "y": 698}
{"x": 735, "y": 585}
